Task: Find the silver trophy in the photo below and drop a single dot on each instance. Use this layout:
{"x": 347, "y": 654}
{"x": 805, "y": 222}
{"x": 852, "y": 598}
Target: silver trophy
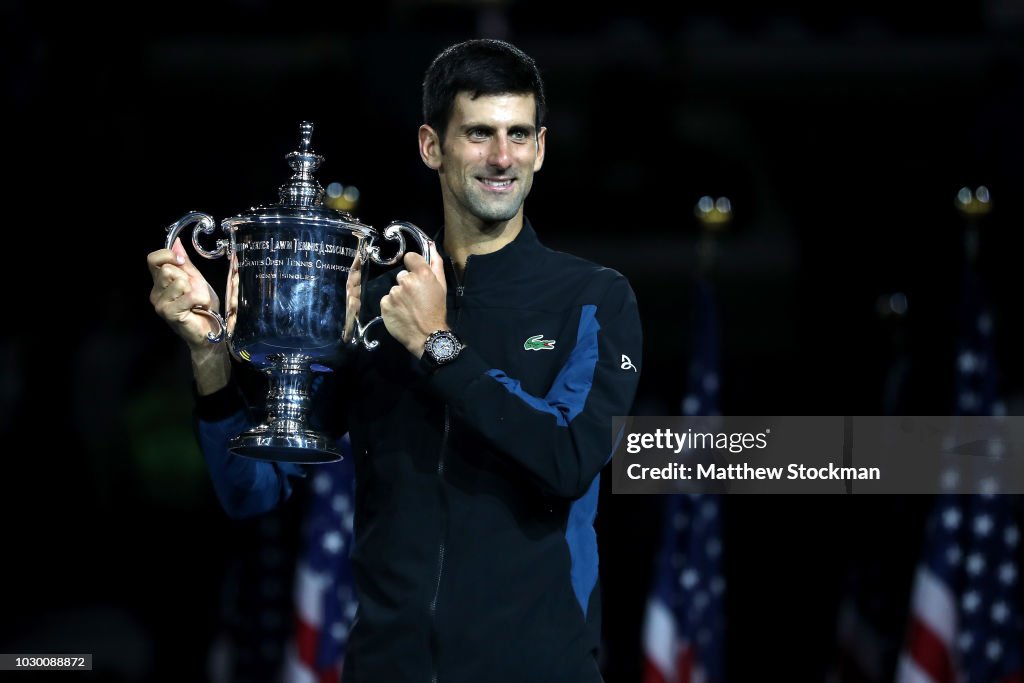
{"x": 292, "y": 267}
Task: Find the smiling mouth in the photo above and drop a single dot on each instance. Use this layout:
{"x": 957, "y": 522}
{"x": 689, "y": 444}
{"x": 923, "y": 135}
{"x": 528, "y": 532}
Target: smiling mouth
{"x": 497, "y": 184}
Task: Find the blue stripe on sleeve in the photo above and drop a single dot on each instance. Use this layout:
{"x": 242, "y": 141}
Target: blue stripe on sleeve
{"x": 568, "y": 393}
{"x": 582, "y": 542}
{"x": 244, "y": 486}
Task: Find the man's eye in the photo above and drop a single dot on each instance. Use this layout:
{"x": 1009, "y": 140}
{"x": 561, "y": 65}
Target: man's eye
{"x": 478, "y": 134}
{"x": 518, "y": 135}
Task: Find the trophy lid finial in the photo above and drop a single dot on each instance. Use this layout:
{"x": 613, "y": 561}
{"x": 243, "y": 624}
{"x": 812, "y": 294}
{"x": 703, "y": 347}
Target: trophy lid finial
{"x": 303, "y": 189}
{"x": 306, "y": 135}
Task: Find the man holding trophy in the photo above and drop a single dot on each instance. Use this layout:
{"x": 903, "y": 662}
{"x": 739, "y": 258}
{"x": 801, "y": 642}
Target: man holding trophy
{"x": 480, "y": 423}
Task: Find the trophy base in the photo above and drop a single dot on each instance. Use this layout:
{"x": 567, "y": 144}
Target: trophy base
{"x": 305, "y": 446}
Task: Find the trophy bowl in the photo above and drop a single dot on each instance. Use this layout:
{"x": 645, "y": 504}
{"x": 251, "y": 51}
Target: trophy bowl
{"x": 292, "y": 267}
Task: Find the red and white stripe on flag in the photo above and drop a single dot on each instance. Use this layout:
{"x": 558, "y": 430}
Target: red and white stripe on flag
{"x": 300, "y": 659}
{"x": 927, "y": 657}
{"x": 667, "y": 657}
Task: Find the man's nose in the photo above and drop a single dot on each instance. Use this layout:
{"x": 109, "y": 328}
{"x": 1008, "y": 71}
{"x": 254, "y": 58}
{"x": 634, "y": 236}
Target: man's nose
{"x": 500, "y": 154}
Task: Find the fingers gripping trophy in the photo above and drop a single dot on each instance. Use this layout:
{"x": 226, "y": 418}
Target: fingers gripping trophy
{"x": 293, "y": 299}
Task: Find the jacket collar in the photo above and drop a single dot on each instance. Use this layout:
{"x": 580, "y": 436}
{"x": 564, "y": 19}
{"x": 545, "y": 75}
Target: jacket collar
{"x": 486, "y": 271}
{"x": 514, "y": 251}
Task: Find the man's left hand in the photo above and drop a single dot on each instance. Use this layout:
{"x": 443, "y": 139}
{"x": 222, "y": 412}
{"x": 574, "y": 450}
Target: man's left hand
{"x": 416, "y": 306}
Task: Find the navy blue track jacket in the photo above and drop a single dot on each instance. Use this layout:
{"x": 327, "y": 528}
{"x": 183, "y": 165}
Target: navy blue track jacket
{"x": 475, "y": 556}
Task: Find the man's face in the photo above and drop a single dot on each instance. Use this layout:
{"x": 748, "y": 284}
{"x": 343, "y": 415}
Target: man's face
{"x": 491, "y": 150}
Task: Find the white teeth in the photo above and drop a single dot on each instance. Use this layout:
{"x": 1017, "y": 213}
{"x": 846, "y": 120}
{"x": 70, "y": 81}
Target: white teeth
{"x": 497, "y": 183}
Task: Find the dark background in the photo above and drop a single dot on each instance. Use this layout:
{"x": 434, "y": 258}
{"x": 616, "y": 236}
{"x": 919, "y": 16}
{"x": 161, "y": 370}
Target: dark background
{"x": 840, "y": 131}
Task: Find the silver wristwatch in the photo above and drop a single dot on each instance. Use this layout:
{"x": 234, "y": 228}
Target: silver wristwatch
{"x": 442, "y": 347}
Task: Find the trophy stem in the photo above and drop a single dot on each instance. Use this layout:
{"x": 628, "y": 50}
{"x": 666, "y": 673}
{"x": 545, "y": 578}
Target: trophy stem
{"x": 286, "y": 435}
{"x": 288, "y": 397}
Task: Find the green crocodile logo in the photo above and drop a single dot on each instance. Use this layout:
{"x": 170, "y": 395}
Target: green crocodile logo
{"x": 535, "y": 343}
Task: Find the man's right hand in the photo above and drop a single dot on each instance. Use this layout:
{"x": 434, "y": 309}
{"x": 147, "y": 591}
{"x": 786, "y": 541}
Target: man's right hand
{"x": 178, "y": 286}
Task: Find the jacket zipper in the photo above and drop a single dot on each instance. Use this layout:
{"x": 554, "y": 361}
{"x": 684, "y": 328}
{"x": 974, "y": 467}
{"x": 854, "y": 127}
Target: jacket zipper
{"x": 441, "y": 547}
{"x": 459, "y": 291}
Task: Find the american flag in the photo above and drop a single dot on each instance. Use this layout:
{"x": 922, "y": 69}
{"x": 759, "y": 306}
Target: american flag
{"x": 684, "y": 624}
{"x": 966, "y": 623}
{"x": 325, "y": 601}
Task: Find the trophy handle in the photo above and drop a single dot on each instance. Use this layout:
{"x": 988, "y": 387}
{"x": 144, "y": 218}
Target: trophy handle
{"x": 360, "y": 335}
{"x": 205, "y": 224}
{"x": 394, "y": 232}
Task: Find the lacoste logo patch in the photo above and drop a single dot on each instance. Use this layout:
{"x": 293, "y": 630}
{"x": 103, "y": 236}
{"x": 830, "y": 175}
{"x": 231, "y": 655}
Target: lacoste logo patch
{"x": 536, "y": 343}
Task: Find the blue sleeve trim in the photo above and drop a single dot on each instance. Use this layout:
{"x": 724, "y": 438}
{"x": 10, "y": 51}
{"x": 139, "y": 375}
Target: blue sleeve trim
{"x": 571, "y": 387}
{"x": 244, "y": 486}
{"x": 515, "y": 388}
{"x": 291, "y": 469}
{"x": 582, "y": 542}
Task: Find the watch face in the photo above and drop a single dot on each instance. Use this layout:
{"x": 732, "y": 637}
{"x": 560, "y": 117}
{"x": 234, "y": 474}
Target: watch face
{"x": 444, "y": 347}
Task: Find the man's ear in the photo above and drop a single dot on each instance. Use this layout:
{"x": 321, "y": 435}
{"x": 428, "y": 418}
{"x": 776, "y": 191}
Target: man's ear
{"x": 542, "y": 136}
{"x": 430, "y": 147}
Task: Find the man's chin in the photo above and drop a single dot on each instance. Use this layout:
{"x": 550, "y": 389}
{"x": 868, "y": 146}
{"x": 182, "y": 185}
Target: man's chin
{"x": 494, "y": 222}
{"x": 494, "y": 214}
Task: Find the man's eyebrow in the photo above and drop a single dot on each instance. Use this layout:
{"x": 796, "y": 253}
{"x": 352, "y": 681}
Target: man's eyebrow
{"x": 515, "y": 127}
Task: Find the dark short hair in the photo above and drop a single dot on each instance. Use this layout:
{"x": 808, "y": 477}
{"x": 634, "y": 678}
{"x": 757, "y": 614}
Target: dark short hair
{"x": 479, "y": 67}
